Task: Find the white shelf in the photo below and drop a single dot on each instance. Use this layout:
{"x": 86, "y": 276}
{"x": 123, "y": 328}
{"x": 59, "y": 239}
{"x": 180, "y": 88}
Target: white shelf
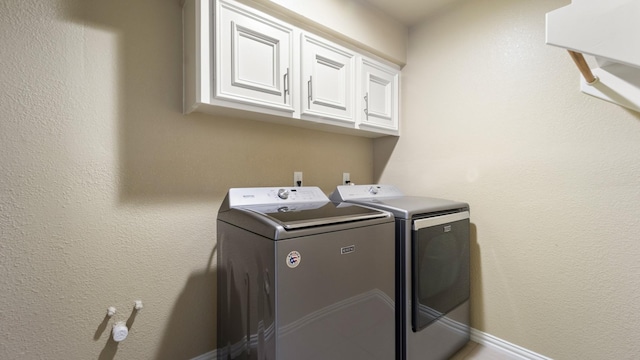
{"x": 610, "y": 31}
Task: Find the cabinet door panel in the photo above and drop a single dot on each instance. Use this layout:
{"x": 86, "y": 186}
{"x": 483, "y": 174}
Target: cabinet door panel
{"x": 255, "y": 61}
{"x": 329, "y": 88}
{"x": 329, "y": 76}
{"x": 380, "y": 92}
{"x": 254, "y": 57}
{"x": 379, "y": 95}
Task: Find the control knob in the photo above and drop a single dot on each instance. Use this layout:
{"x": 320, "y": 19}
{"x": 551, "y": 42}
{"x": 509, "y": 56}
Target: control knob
{"x": 373, "y": 190}
{"x": 283, "y": 194}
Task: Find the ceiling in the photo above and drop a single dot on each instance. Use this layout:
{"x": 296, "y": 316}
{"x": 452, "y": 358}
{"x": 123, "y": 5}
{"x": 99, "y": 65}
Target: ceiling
{"x": 409, "y": 12}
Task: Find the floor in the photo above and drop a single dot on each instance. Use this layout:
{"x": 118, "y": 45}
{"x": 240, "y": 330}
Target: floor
{"x": 475, "y": 351}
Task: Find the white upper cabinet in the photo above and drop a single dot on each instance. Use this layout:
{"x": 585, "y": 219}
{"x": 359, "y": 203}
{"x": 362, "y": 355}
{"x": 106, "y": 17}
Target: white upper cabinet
{"x": 379, "y": 96}
{"x": 328, "y": 80}
{"x": 244, "y": 63}
{"x": 253, "y": 57}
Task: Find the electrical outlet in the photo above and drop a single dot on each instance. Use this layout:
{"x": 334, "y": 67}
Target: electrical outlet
{"x": 346, "y": 179}
{"x": 297, "y": 178}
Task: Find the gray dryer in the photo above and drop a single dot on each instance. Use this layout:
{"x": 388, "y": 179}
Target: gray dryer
{"x": 432, "y": 246}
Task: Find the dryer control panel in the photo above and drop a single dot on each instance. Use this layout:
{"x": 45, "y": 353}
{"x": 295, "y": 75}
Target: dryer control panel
{"x": 360, "y": 192}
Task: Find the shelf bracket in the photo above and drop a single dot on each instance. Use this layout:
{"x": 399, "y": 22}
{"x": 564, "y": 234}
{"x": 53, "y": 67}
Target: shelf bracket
{"x": 578, "y": 58}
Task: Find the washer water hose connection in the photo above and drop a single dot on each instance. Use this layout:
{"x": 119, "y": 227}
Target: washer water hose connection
{"x": 120, "y": 331}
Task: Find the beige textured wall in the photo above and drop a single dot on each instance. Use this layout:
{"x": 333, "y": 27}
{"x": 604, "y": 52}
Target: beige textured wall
{"x": 108, "y": 194}
{"x": 493, "y": 116}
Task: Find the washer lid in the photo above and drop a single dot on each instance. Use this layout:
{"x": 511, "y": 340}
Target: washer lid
{"x": 298, "y": 216}
{"x": 296, "y": 208}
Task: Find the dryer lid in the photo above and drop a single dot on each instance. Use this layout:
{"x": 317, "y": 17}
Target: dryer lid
{"x": 389, "y": 198}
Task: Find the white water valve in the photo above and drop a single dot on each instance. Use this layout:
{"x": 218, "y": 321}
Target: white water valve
{"x": 120, "y": 331}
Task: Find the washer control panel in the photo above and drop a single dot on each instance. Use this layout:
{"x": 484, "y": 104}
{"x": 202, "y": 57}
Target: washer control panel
{"x": 355, "y": 192}
{"x": 275, "y": 195}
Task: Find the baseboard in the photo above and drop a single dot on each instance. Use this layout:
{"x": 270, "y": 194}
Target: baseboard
{"x": 506, "y": 347}
{"x": 211, "y": 355}
{"x": 477, "y": 336}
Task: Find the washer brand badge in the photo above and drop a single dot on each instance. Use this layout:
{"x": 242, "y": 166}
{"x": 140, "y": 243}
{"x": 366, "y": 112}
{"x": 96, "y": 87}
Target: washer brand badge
{"x": 293, "y": 259}
{"x": 347, "y": 249}
{"x": 447, "y": 228}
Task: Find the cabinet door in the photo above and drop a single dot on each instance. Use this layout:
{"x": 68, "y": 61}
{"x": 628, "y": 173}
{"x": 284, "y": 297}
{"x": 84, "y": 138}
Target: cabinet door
{"x": 328, "y": 80}
{"x": 254, "y": 57}
{"x": 379, "y": 95}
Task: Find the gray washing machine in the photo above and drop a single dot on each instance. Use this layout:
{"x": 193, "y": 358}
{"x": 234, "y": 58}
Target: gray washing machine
{"x": 302, "y": 278}
{"x": 432, "y": 293}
